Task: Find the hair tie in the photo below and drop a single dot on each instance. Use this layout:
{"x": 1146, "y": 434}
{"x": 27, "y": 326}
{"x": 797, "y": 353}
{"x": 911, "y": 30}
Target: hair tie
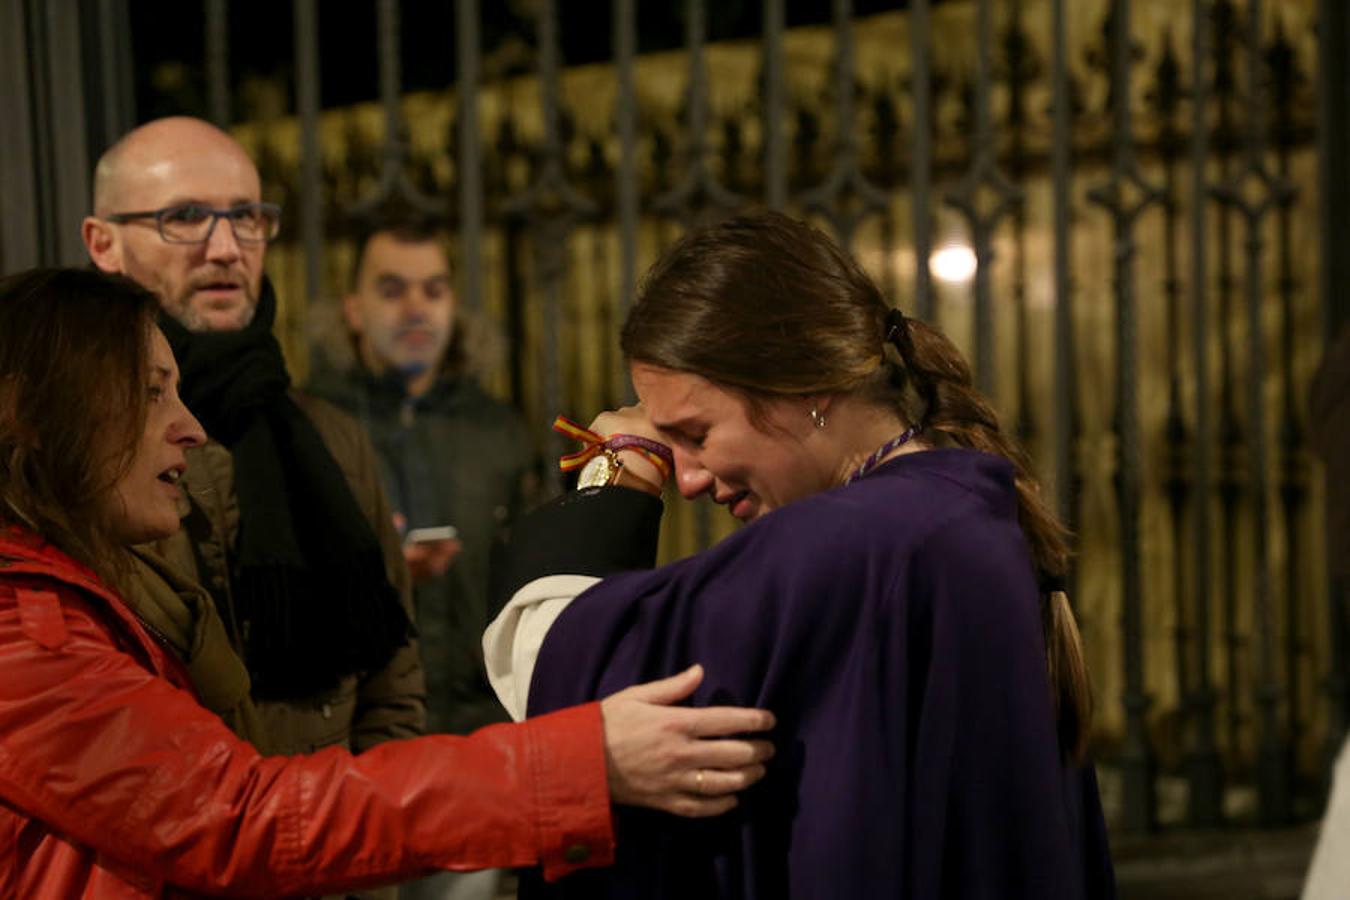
{"x": 899, "y": 336}
{"x": 897, "y": 331}
{"x": 896, "y": 327}
{"x": 1051, "y": 583}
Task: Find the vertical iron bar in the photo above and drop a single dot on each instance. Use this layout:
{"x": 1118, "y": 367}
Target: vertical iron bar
{"x": 125, "y": 63}
{"x": 695, "y": 36}
{"x": 218, "y": 61}
{"x": 548, "y": 80}
{"x": 845, "y": 150}
{"x": 1136, "y": 756}
{"x": 306, "y": 14}
{"x": 1230, "y": 496}
{"x": 551, "y": 257}
{"x": 115, "y": 74}
{"x": 1273, "y": 775}
{"x": 1176, "y": 472}
{"x": 20, "y": 208}
{"x": 1137, "y": 759}
{"x": 775, "y": 147}
{"x": 1292, "y": 493}
{"x": 982, "y": 232}
{"x": 845, "y": 197}
{"x": 627, "y": 188}
{"x": 886, "y": 138}
{"x": 1293, "y": 445}
{"x": 394, "y": 184}
{"x": 43, "y": 174}
{"x": 1206, "y": 788}
{"x": 1066, "y": 387}
{"x": 696, "y": 189}
{"x": 1231, "y": 439}
{"x": 517, "y": 332}
{"x": 615, "y": 389}
{"x": 921, "y": 156}
{"x": 550, "y": 207}
{"x": 1016, "y": 47}
{"x": 470, "y": 162}
{"x": 391, "y": 80}
{"x": 886, "y": 131}
{"x": 69, "y": 151}
{"x": 625, "y": 45}
{"x": 984, "y": 176}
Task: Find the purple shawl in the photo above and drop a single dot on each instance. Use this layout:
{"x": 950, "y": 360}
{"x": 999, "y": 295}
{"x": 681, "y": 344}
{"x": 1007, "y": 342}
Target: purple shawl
{"x": 894, "y": 628}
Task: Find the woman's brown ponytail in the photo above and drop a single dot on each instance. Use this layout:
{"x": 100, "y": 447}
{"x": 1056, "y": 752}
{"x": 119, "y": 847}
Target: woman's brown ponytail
{"x": 956, "y": 410}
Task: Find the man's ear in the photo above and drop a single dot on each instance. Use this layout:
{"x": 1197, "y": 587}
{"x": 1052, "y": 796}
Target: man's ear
{"x": 103, "y": 243}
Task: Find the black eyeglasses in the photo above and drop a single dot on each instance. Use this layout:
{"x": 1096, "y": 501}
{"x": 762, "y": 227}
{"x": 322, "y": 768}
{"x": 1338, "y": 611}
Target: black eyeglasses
{"x": 193, "y": 223}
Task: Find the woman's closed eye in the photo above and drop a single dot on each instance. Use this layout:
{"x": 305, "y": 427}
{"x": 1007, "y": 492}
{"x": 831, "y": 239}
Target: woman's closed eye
{"x": 691, "y": 440}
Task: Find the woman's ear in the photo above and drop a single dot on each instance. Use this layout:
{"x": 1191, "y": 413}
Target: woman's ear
{"x": 814, "y": 410}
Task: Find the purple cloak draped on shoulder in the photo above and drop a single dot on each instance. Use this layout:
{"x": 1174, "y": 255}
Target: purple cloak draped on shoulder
{"x": 893, "y": 626}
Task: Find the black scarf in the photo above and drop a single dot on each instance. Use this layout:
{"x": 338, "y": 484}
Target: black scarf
{"x": 308, "y": 576}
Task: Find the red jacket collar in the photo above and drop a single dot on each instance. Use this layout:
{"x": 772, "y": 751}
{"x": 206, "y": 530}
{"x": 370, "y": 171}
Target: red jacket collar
{"x": 24, "y": 552}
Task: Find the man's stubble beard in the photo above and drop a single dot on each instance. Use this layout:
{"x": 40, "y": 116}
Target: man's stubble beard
{"x": 195, "y": 321}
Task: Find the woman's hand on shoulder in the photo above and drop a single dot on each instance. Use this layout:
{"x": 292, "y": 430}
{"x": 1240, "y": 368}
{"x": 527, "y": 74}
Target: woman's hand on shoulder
{"x": 682, "y": 760}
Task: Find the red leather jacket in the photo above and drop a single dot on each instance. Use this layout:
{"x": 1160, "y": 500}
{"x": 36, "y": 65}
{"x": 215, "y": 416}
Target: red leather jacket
{"x": 115, "y": 782}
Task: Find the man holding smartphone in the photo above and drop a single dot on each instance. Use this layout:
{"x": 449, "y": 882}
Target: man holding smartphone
{"x": 456, "y": 462}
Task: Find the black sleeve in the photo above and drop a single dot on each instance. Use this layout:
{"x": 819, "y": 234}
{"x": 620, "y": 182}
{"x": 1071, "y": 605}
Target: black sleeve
{"x": 596, "y": 531}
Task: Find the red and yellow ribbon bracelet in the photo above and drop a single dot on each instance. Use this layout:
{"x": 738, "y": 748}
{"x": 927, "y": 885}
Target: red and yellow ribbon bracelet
{"x": 655, "y": 452}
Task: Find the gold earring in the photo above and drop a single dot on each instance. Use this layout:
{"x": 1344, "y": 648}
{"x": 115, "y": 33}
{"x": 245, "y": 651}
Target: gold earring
{"x": 816, "y": 418}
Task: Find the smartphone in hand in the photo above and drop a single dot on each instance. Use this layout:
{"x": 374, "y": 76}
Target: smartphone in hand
{"x": 436, "y": 533}
{"x": 429, "y": 552}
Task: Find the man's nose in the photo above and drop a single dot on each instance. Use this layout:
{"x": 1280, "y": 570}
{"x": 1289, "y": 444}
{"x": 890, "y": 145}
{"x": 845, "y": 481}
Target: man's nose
{"x": 415, "y": 303}
{"x": 222, "y": 246}
{"x": 690, "y": 476}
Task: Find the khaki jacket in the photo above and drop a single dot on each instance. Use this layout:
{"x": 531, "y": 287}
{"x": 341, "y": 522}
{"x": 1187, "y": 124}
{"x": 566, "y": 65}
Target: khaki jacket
{"x": 360, "y": 712}
{"x": 183, "y": 617}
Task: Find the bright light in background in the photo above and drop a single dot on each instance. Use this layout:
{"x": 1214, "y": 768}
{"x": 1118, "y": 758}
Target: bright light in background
{"x": 953, "y": 263}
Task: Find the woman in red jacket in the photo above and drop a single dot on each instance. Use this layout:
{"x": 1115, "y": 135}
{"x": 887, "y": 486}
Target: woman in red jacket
{"x": 116, "y": 781}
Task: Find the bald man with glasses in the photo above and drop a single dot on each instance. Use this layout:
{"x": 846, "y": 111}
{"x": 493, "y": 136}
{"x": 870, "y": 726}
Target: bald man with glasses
{"x": 286, "y": 525}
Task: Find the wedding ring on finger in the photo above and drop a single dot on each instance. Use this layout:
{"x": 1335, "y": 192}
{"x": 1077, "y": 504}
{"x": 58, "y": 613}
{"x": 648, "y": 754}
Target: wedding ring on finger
{"x": 698, "y": 781}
